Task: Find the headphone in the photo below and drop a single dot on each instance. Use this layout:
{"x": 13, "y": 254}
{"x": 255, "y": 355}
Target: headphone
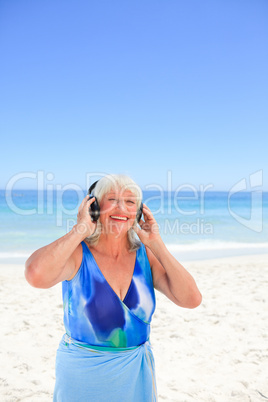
{"x": 94, "y": 209}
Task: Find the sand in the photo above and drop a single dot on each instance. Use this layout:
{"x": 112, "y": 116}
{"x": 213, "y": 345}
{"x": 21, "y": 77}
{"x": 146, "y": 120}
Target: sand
{"x": 216, "y": 352}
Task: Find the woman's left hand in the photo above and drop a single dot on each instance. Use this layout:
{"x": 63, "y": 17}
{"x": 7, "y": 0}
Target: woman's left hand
{"x": 149, "y": 231}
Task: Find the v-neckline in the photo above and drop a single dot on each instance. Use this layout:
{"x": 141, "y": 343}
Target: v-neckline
{"x": 122, "y": 300}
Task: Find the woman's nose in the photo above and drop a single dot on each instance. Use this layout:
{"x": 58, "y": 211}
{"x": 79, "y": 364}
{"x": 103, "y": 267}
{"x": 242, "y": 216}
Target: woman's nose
{"x": 121, "y": 204}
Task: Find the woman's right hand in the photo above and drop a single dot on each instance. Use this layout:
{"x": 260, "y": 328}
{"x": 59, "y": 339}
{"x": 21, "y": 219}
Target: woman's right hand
{"x": 85, "y": 225}
{"x": 60, "y": 260}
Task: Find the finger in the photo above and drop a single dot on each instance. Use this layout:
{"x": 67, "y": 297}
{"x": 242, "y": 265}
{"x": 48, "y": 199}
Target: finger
{"x": 146, "y": 207}
{"x": 90, "y": 200}
{"x": 147, "y": 214}
{"x": 85, "y": 203}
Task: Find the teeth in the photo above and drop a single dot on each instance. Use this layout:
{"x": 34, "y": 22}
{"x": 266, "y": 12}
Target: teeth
{"x": 119, "y": 217}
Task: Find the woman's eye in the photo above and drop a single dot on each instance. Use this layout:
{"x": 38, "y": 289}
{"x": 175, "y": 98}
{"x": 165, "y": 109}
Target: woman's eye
{"x": 131, "y": 202}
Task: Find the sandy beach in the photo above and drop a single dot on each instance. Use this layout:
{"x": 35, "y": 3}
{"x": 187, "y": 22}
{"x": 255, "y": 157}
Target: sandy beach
{"x": 217, "y": 352}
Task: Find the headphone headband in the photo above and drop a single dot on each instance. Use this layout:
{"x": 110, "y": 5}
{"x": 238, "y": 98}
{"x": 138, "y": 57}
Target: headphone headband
{"x": 92, "y": 187}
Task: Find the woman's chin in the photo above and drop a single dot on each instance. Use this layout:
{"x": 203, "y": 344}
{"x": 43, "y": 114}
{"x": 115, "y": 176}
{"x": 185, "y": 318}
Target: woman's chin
{"x": 116, "y": 229}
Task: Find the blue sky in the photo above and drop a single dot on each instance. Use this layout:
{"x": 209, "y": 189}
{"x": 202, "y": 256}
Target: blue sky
{"x": 153, "y": 89}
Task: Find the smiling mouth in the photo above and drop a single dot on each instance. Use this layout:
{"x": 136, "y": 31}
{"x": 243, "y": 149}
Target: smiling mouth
{"x": 119, "y": 218}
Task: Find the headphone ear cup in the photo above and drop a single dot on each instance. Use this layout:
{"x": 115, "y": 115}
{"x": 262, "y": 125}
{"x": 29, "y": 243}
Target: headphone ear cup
{"x": 139, "y": 213}
{"x": 94, "y": 209}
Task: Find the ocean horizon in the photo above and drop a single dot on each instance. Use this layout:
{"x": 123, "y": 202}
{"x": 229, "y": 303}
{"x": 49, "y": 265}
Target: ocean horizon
{"x": 193, "y": 225}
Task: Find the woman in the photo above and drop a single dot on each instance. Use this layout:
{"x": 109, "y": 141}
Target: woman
{"x": 109, "y": 268}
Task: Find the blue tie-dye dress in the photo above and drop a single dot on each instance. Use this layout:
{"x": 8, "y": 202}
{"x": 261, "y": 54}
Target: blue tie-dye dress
{"x": 105, "y": 353}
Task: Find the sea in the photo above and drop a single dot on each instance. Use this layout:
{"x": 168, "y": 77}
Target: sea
{"x": 193, "y": 225}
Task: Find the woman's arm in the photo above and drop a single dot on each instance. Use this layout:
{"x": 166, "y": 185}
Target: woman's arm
{"x": 55, "y": 262}
{"x": 59, "y": 260}
{"x": 169, "y": 276}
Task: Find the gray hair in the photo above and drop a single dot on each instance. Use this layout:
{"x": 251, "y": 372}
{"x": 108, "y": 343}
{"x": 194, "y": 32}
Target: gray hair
{"x": 106, "y": 184}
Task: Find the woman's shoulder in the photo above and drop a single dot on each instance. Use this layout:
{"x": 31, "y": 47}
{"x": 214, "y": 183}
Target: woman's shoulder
{"x": 143, "y": 254}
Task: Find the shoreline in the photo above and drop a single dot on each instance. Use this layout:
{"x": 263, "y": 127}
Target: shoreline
{"x": 214, "y": 353}
{"x": 243, "y": 257}
{"x": 182, "y": 256}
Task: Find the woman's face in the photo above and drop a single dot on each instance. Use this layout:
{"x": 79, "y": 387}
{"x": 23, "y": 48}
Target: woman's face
{"x": 118, "y": 210}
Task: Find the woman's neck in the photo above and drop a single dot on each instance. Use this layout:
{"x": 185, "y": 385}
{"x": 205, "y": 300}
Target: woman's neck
{"x": 112, "y": 246}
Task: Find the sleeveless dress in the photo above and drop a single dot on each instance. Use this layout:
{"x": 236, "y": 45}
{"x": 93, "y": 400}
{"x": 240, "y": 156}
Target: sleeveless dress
{"x": 105, "y": 354}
